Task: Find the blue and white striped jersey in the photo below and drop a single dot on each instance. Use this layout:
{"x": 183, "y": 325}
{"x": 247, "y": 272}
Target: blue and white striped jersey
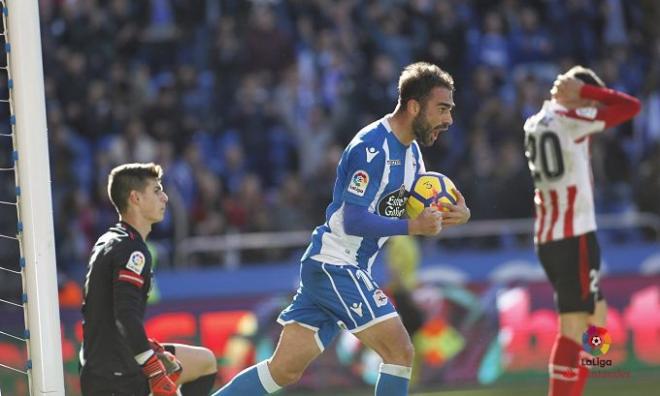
{"x": 375, "y": 171}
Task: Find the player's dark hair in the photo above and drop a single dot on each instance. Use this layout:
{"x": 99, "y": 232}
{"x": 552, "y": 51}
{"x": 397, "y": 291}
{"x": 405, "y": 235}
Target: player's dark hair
{"x": 418, "y": 79}
{"x": 585, "y": 75}
{"x": 130, "y": 177}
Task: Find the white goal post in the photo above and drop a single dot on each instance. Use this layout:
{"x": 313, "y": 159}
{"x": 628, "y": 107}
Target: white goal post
{"x": 34, "y": 201}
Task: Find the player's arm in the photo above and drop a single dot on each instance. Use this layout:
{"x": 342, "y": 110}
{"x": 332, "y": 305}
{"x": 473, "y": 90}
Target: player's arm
{"x": 364, "y": 164}
{"x": 129, "y": 280}
{"x": 130, "y": 270}
{"x": 359, "y": 221}
{"x": 618, "y": 106}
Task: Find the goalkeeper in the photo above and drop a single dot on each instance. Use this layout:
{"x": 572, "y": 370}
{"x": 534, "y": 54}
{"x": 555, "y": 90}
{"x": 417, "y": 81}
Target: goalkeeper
{"x": 116, "y": 357}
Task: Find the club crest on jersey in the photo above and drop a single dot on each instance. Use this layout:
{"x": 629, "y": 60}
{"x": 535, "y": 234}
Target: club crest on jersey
{"x": 371, "y": 153}
{"x": 380, "y": 298}
{"x": 394, "y": 203}
{"x": 587, "y": 112}
{"x": 136, "y": 262}
{"x": 359, "y": 182}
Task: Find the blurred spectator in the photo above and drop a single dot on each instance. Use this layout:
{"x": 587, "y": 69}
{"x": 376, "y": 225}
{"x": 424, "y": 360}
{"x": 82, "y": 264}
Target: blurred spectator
{"x": 531, "y": 42}
{"x": 648, "y": 185}
{"x": 133, "y": 144}
{"x": 207, "y": 215}
{"x": 291, "y": 209}
{"x": 489, "y": 45}
{"x": 269, "y": 46}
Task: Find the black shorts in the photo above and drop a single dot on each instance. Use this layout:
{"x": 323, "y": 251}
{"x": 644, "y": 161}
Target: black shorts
{"x": 573, "y": 268}
{"x": 93, "y": 384}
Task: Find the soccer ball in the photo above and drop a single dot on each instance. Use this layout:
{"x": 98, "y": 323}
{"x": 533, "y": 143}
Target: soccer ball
{"x": 428, "y": 190}
{"x": 596, "y": 341}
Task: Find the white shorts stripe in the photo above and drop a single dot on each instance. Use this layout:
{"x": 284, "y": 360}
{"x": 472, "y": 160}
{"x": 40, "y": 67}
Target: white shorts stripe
{"x": 361, "y": 294}
{"x": 334, "y": 287}
{"x": 374, "y": 322}
{"x": 317, "y": 338}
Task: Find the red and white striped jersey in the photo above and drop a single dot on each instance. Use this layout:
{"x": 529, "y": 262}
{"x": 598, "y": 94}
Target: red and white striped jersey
{"x": 557, "y": 148}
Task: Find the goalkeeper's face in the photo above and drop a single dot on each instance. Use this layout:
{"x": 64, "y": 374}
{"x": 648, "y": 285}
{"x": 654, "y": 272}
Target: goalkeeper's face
{"x": 153, "y": 201}
{"x": 434, "y": 116}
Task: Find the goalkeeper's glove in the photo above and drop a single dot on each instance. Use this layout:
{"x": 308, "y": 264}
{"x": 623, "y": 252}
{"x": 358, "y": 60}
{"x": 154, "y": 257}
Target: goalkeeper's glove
{"x": 159, "y": 383}
{"x": 170, "y": 362}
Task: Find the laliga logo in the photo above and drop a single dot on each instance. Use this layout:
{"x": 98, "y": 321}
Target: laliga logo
{"x": 359, "y": 178}
{"x": 596, "y": 341}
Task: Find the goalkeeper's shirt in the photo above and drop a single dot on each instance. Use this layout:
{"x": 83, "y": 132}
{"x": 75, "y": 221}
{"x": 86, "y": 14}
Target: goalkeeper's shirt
{"x": 115, "y": 295}
{"x": 375, "y": 171}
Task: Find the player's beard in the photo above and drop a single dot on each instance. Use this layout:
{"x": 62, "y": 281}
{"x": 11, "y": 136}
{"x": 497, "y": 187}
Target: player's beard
{"x": 422, "y": 129}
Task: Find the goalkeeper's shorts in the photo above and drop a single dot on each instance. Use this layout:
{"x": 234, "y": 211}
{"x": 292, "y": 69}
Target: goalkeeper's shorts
{"x": 94, "y": 384}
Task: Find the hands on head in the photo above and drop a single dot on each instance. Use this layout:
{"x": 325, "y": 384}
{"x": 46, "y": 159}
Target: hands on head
{"x": 566, "y": 90}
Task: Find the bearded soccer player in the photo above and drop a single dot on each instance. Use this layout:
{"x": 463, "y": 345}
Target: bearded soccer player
{"x": 336, "y": 291}
{"x": 116, "y": 356}
{"x": 557, "y": 148}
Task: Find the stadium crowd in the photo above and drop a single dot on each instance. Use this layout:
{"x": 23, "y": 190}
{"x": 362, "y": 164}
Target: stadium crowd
{"x": 247, "y": 105}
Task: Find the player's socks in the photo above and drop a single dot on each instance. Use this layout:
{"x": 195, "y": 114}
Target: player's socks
{"x": 563, "y": 366}
{"x": 253, "y": 381}
{"x": 393, "y": 380}
{"x": 583, "y": 375}
{"x": 200, "y": 387}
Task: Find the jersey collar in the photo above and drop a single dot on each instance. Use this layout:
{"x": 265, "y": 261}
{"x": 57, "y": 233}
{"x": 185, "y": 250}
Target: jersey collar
{"x": 131, "y": 230}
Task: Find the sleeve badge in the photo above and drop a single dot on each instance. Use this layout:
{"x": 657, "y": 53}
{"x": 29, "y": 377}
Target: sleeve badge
{"x": 136, "y": 262}
{"x": 358, "y": 183}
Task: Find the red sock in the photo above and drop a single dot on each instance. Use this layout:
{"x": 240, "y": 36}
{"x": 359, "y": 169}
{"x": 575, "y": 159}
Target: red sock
{"x": 563, "y": 367}
{"x": 583, "y": 375}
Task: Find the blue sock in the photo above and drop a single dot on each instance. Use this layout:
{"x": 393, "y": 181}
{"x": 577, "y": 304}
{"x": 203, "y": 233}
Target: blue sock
{"x": 393, "y": 380}
{"x": 253, "y": 381}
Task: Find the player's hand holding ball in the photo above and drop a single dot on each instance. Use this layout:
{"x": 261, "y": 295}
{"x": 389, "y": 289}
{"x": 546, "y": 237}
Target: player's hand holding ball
{"x": 435, "y": 190}
{"x": 428, "y": 223}
{"x": 455, "y": 214}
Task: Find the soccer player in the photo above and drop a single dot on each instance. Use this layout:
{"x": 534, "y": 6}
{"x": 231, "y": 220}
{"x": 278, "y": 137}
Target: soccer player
{"x": 336, "y": 291}
{"x": 557, "y": 142}
{"x": 116, "y": 356}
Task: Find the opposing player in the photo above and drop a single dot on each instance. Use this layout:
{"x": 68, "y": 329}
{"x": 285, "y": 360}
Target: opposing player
{"x": 557, "y": 148}
{"x": 116, "y": 356}
{"x": 336, "y": 290}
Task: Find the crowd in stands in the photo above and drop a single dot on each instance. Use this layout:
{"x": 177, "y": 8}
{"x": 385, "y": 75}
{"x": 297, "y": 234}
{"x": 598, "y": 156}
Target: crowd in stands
{"x": 248, "y": 104}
